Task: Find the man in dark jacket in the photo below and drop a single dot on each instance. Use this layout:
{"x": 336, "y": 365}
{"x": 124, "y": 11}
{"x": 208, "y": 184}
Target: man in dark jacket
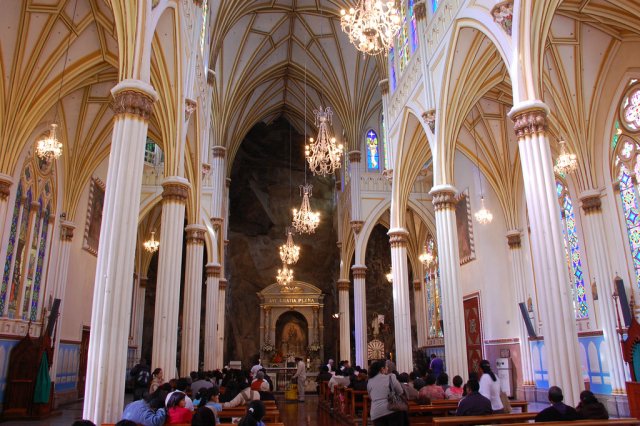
{"x": 558, "y": 412}
{"x": 141, "y": 374}
{"x": 474, "y": 404}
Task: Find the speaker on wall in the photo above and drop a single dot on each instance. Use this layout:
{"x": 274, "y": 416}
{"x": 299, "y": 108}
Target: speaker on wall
{"x": 442, "y": 326}
{"x": 527, "y": 321}
{"x": 624, "y": 303}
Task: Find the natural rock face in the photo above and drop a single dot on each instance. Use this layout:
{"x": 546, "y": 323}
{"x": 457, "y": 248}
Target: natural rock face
{"x": 260, "y": 211}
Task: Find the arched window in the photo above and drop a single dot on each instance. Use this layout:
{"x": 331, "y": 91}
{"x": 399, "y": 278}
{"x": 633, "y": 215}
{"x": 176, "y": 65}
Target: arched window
{"x": 373, "y": 151}
{"x": 407, "y": 38}
{"x": 434, "y": 302}
{"x": 392, "y": 70}
{"x": 572, "y": 249}
{"x": 27, "y": 245}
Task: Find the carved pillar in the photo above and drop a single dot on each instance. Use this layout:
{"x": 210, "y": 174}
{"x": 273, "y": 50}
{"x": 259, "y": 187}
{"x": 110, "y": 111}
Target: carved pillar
{"x": 360, "y": 312}
{"x": 192, "y": 300}
{"x": 5, "y": 190}
{"x": 603, "y": 273}
{"x": 211, "y": 317}
{"x": 104, "y": 395}
{"x": 139, "y": 309}
{"x": 222, "y": 301}
{"x": 356, "y": 209}
{"x": 165, "y": 326}
{"x": 554, "y": 297}
{"x": 420, "y": 301}
{"x": 345, "y": 327}
{"x": 401, "y": 307}
{"x": 218, "y": 165}
{"x": 451, "y": 298}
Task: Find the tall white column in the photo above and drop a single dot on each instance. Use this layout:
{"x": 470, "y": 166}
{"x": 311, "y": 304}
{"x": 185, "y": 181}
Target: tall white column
{"x": 360, "y": 313}
{"x": 356, "y": 208}
{"x": 401, "y": 307}
{"x": 420, "y": 303}
{"x": 107, "y": 360}
{"x": 218, "y": 167}
{"x": 211, "y": 317}
{"x": 5, "y": 190}
{"x": 141, "y": 294}
{"x": 222, "y": 303}
{"x": 603, "y": 273}
{"x": 344, "y": 317}
{"x": 554, "y": 292}
{"x": 522, "y": 294}
{"x": 455, "y": 344}
{"x": 190, "y": 352}
{"x": 165, "y": 325}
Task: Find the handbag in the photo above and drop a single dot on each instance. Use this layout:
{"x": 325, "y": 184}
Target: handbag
{"x": 396, "y": 401}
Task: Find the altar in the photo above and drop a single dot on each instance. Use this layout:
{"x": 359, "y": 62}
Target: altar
{"x": 291, "y": 322}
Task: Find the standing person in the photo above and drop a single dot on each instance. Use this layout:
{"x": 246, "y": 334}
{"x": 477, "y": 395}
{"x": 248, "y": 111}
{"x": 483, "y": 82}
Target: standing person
{"x": 157, "y": 379}
{"x": 490, "y": 387}
{"x": 141, "y": 374}
{"x": 301, "y": 375}
{"x": 378, "y": 388}
{"x": 436, "y": 365}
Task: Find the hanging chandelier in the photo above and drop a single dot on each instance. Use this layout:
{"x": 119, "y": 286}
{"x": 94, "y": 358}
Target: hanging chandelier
{"x": 284, "y": 276}
{"x": 567, "y": 162}
{"x": 304, "y": 220}
{"x": 289, "y": 252}
{"x": 151, "y": 245}
{"x": 371, "y": 25}
{"x": 323, "y": 154}
{"x": 483, "y": 216}
{"x": 427, "y": 258}
{"x": 49, "y": 147}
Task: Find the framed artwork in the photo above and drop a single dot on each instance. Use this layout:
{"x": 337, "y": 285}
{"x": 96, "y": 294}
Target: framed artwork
{"x": 464, "y": 224}
{"x": 94, "y": 216}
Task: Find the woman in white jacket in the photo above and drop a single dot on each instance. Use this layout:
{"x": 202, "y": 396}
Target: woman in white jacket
{"x": 490, "y": 387}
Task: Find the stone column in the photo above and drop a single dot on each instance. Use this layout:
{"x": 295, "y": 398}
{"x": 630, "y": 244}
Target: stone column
{"x": 401, "y": 307}
{"x": 222, "y": 302}
{"x": 455, "y": 344}
{"x": 5, "y": 190}
{"x": 345, "y": 327}
{"x": 356, "y": 208}
{"x": 519, "y": 284}
{"x": 192, "y": 300}
{"x": 360, "y": 312}
{"x": 104, "y": 395}
{"x": 141, "y": 295}
{"x": 211, "y": 317}
{"x": 165, "y": 325}
{"x": 550, "y": 263}
{"x": 420, "y": 302}
{"x": 603, "y": 273}
{"x": 218, "y": 166}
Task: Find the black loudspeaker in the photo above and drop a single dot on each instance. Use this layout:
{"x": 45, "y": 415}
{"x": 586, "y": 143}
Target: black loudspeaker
{"x": 527, "y": 321}
{"x": 442, "y": 326}
{"x": 624, "y": 303}
{"x": 53, "y": 316}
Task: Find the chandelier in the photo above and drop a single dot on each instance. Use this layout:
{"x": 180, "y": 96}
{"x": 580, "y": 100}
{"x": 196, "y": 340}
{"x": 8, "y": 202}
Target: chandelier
{"x": 483, "y": 216}
{"x": 323, "y": 154}
{"x": 427, "y": 258}
{"x": 304, "y": 220}
{"x": 49, "y": 147}
{"x": 372, "y": 25}
{"x": 566, "y": 162}
{"x": 285, "y": 276}
{"x": 151, "y": 245}
{"x": 289, "y": 252}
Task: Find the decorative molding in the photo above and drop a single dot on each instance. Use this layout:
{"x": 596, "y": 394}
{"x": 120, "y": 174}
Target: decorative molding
{"x": 514, "y": 239}
{"x": 357, "y": 225}
{"x": 388, "y": 174}
{"x": 175, "y": 191}
{"x": 503, "y": 15}
{"x": 195, "y": 234}
{"x": 429, "y": 117}
{"x": 505, "y": 341}
{"x": 211, "y": 77}
{"x": 222, "y": 284}
{"x": 359, "y": 272}
{"x": 406, "y": 86}
{"x": 143, "y": 282}
{"x": 443, "y": 198}
{"x": 529, "y": 122}
{"x": 417, "y": 285}
{"x": 217, "y": 222}
{"x": 206, "y": 169}
{"x": 384, "y": 86}
{"x": 344, "y": 285}
{"x": 591, "y": 202}
{"x": 355, "y": 156}
{"x": 420, "y": 10}
{"x": 132, "y": 102}
{"x": 190, "y": 106}
{"x": 213, "y": 271}
{"x": 5, "y": 187}
{"x": 94, "y": 216}
{"x": 219, "y": 151}
{"x": 398, "y": 238}
{"x": 66, "y": 230}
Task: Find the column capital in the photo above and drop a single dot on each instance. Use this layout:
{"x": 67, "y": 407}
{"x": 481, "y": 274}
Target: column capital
{"x": 222, "y": 284}
{"x": 398, "y": 237}
{"x": 66, "y": 230}
{"x": 417, "y": 285}
{"x": 591, "y": 201}
{"x": 143, "y": 282}
{"x": 175, "y": 188}
{"x": 190, "y": 106}
{"x": 514, "y": 238}
{"x": 357, "y": 225}
{"x": 359, "y": 271}
{"x": 133, "y": 97}
{"x": 219, "y": 151}
{"x": 429, "y": 117}
{"x": 420, "y": 10}
{"x": 211, "y": 76}
{"x": 344, "y": 284}
{"x": 195, "y": 233}
{"x": 34, "y": 207}
{"x": 227, "y": 182}
{"x": 197, "y": 3}
{"x": 5, "y": 186}
{"x": 443, "y": 197}
{"x": 216, "y": 222}
{"x": 384, "y": 86}
{"x": 529, "y": 118}
{"x": 355, "y": 156}
{"x": 213, "y": 270}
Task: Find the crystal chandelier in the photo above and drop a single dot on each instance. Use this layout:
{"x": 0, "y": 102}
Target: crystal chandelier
{"x": 285, "y": 276}
{"x": 151, "y": 245}
{"x": 304, "y": 220}
{"x": 49, "y": 147}
{"x": 289, "y": 252}
{"x": 371, "y": 25}
{"x": 323, "y": 154}
{"x": 483, "y": 216}
{"x": 566, "y": 162}
{"x": 427, "y": 257}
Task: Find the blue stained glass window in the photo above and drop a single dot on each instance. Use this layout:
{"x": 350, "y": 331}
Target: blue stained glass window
{"x": 433, "y": 304}
{"x": 373, "y": 152}
{"x": 413, "y": 27}
{"x": 392, "y": 70}
{"x": 404, "y": 53}
{"x": 631, "y": 217}
{"x": 434, "y": 5}
{"x": 13, "y": 232}
{"x": 39, "y": 266}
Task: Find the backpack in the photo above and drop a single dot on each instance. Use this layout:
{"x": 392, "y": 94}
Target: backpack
{"x": 143, "y": 378}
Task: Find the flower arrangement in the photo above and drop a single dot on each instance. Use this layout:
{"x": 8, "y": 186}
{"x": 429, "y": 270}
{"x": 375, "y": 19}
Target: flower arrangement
{"x": 267, "y": 347}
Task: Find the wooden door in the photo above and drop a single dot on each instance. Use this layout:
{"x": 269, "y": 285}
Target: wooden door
{"x": 82, "y": 367}
{"x": 473, "y": 332}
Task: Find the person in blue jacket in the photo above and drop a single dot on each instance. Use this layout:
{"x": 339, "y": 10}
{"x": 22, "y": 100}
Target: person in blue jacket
{"x": 147, "y": 412}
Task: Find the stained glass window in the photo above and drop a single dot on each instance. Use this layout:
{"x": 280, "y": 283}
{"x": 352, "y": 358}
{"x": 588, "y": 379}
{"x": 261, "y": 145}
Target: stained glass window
{"x": 404, "y": 54}
{"x": 413, "y": 27}
{"x": 203, "y": 31}
{"x": 392, "y": 70}
{"x": 572, "y": 250}
{"x": 434, "y": 5}
{"x": 432, "y": 281}
{"x": 11, "y": 248}
{"x": 42, "y": 248}
{"x": 373, "y": 153}
{"x": 631, "y": 216}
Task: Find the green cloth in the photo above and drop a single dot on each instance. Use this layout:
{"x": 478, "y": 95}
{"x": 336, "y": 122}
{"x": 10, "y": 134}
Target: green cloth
{"x": 43, "y": 382}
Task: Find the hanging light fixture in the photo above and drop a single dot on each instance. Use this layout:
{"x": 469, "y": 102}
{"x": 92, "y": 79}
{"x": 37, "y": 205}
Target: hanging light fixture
{"x": 151, "y": 245}
{"x": 483, "y": 216}
{"x": 567, "y": 162}
{"x": 323, "y": 154}
{"x": 389, "y": 276}
{"x": 289, "y": 252}
{"x": 427, "y": 258}
{"x": 284, "y": 276}
{"x": 371, "y": 25}
{"x": 305, "y": 221}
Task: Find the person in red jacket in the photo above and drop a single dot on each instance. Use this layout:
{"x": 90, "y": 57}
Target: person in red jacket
{"x": 176, "y": 410}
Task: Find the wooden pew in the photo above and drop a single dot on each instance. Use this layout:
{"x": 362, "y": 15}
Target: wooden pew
{"x": 324, "y": 395}
{"x": 356, "y": 402}
{"x": 522, "y": 405}
{"x": 483, "y": 420}
{"x": 617, "y": 422}
{"x": 271, "y": 414}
